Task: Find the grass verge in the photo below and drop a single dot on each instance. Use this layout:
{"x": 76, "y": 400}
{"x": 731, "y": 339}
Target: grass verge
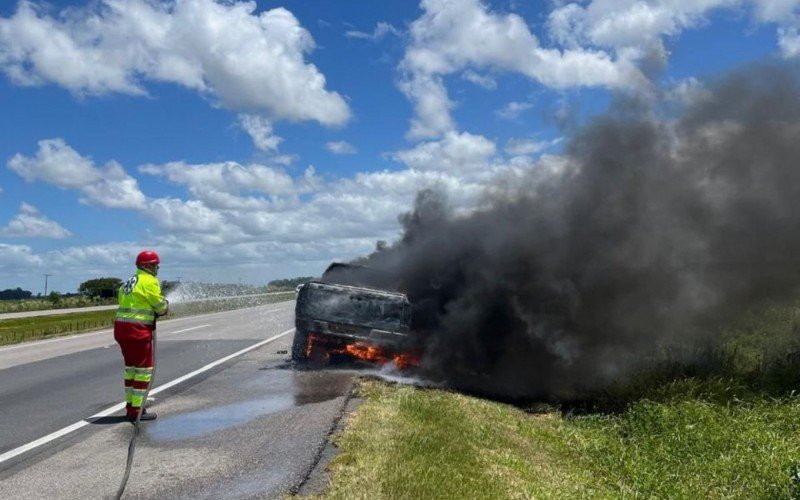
{"x": 17, "y": 330}
{"x": 699, "y": 440}
{"x": 40, "y": 304}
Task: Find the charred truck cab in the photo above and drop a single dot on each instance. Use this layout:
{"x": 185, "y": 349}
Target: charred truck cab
{"x": 338, "y": 315}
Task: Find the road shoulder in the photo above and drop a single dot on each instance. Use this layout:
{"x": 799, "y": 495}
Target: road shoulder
{"x": 252, "y": 428}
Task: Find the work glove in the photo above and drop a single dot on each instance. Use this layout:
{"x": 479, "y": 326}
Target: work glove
{"x": 166, "y": 311}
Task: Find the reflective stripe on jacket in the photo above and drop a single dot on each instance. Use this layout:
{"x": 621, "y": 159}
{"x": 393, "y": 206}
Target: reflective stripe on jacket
{"x": 140, "y": 299}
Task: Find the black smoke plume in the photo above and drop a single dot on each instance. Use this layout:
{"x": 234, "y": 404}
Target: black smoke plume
{"x": 655, "y": 224}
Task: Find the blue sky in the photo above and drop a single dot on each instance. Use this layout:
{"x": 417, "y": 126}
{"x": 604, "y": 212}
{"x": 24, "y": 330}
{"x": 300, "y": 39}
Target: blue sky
{"x": 249, "y": 141}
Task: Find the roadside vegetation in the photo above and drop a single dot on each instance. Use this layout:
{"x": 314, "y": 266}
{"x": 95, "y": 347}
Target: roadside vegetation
{"x": 17, "y": 330}
{"x": 40, "y": 327}
{"x": 723, "y": 425}
{"x": 53, "y": 301}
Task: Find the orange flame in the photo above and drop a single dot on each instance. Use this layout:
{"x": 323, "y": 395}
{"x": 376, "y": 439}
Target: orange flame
{"x": 362, "y": 350}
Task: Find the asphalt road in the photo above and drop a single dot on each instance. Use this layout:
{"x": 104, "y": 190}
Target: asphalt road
{"x": 251, "y": 426}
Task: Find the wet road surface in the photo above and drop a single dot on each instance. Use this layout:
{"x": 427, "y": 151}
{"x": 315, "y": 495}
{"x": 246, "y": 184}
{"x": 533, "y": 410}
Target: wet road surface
{"x": 250, "y": 427}
{"x": 51, "y": 384}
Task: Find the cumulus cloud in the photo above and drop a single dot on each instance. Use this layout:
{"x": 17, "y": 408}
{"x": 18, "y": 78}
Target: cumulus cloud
{"x": 459, "y": 153}
{"x": 637, "y": 29}
{"x": 480, "y": 80}
{"x": 513, "y": 110}
{"x": 260, "y": 130}
{"x": 689, "y": 91}
{"x": 227, "y": 177}
{"x": 251, "y": 205}
{"x": 789, "y": 41}
{"x": 245, "y": 61}
{"x": 30, "y": 223}
{"x": 58, "y": 164}
{"x": 382, "y": 29}
{"x": 525, "y": 147}
{"x": 173, "y": 214}
{"x": 251, "y": 215}
{"x": 14, "y": 258}
{"x": 454, "y": 36}
{"x": 340, "y": 148}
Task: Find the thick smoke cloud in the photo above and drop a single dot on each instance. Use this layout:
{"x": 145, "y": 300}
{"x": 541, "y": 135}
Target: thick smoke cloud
{"x": 656, "y": 228}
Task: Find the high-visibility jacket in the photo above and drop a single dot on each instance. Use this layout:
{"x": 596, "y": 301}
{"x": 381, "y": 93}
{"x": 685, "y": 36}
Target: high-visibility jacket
{"x": 141, "y": 300}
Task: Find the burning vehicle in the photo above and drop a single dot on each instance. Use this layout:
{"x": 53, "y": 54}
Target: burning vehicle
{"x": 351, "y": 312}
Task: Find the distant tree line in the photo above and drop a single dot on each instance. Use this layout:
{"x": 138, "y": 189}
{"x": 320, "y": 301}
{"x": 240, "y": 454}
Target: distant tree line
{"x": 15, "y": 294}
{"x": 106, "y": 288}
{"x": 288, "y": 283}
{"x": 102, "y": 288}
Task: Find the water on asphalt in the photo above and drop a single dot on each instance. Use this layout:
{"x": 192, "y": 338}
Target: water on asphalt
{"x": 253, "y": 428}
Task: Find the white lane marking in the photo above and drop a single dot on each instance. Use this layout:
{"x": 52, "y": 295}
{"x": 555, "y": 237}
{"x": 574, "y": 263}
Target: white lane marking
{"x": 57, "y": 434}
{"x": 189, "y": 329}
{"x": 108, "y": 411}
{"x": 85, "y": 335}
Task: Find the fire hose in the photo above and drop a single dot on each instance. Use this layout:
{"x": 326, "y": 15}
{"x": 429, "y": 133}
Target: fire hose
{"x": 132, "y": 443}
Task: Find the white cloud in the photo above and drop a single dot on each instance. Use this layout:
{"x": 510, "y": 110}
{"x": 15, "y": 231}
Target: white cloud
{"x": 58, "y": 164}
{"x": 513, "y": 110}
{"x": 18, "y": 259}
{"x": 227, "y": 177}
{"x": 689, "y": 91}
{"x": 458, "y": 153}
{"x": 248, "y": 216}
{"x": 260, "y": 130}
{"x": 226, "y": 208}
{"x": 453, "y": 36}
{"x": 484, "y": 81}
{"x": 30, "y": 223}
{"x": 249, "y": 62}
{"x": 381, "y": 30}
{"x": 776, "y": 11}
{"x": 789, "y": 42}
{"x": 525, "y": 147}
{"x": 340, "y": 148}
{"x": 638, "y": 28}
{"x": 173, "y": 214}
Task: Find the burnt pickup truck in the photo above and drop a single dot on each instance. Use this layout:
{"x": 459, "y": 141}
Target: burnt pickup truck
{"x": 341, "y": 313}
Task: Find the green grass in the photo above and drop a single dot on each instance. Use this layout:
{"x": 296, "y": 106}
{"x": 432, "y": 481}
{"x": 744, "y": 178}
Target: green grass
{"x": 41, "y": 304}
{"x": 17, "y": 330}
{"x": 39, "y": 327}
{"x": 404, "y": 442}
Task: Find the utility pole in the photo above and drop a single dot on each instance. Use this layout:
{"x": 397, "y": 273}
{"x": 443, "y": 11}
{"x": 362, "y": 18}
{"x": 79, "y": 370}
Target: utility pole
{"x": 45, "y": 283}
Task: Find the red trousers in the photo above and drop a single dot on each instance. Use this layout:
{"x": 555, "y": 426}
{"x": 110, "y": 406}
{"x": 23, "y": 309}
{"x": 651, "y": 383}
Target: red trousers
{"x": 137, "y": 350}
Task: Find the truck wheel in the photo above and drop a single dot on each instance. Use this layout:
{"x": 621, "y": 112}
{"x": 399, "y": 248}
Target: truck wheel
{"x": 299, "y": 346}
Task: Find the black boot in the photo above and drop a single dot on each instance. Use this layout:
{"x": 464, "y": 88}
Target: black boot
{"x": 145, "y": 416}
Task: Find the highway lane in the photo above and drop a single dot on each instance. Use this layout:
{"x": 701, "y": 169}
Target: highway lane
{"x": 250, "y": 426}
{"x": 47, "y": 385}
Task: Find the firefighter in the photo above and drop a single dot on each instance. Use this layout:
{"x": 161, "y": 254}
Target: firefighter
{"x": 140, "y": 303}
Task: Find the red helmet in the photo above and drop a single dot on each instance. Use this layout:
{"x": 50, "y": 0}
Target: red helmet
{"x": 147, "y": 257}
